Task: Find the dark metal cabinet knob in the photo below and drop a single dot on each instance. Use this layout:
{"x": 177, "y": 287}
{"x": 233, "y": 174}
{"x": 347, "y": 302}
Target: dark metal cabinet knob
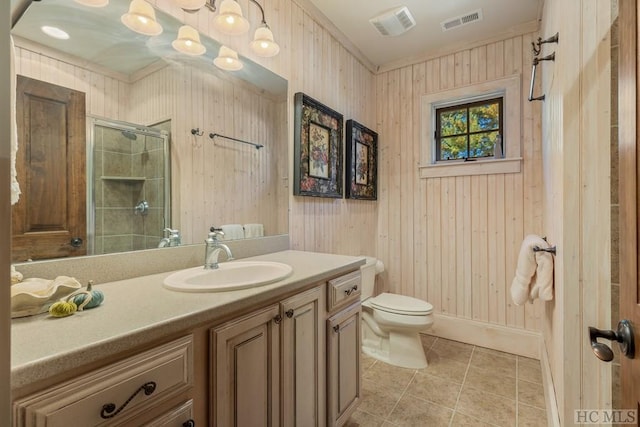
{"x": 189, "y": 423}
{"x": 76, "y": 242}
{"x": 289, "y": 313}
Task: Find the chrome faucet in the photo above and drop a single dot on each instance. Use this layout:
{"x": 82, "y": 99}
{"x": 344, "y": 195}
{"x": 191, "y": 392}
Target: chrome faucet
{"x": 174, "y": 239}
{"x": 213, "y": 248}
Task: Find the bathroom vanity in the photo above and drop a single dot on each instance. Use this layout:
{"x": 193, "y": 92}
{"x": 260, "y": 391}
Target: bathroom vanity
{"x": 286, "y": 353}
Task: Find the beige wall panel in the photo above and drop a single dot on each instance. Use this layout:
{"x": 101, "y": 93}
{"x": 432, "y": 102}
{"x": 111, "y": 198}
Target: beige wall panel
{"x": 461, "y": 234}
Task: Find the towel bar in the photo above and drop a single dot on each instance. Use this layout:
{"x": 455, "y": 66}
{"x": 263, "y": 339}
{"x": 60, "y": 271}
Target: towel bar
{"x": 551, "y": 250}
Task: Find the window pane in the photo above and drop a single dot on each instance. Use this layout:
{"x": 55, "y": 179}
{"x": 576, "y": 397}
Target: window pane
{"x": 453, "y": 122}
{"x": 481, "y": 144}
{"x": 484, "y": 117}
{"x": 454, "y": 147}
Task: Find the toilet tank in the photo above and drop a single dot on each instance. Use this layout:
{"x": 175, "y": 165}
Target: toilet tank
{"x": 369, "y": 271}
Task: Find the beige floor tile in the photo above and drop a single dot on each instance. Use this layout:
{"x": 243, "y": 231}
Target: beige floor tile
{"x": 495, "y": 352}
{"x": 487, "y": 407}
{"x": 529, "y": 370}
{"x": 367, "y": 362}
{"x": 362, "y": 419}
{"x": 388, "y": 377}
{"x": 435, "y": 389}
{"x": 412, "y": 411}
{"x": 494, "y": 364}
{"x": 531, "y": 394}
{"x": 377, "y": 400}
{"x": 487, "y": 380}
{"x": 441, "y": 366}
{"x": 462, "y": 420}
{"x": 427, "y": 341}
{"x": 452, "y": 350}
{"x": 528, "y": 416}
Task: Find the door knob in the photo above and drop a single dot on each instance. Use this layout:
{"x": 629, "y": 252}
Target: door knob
{"x": 624, "y": 337}
{"x": 76, "y": 242}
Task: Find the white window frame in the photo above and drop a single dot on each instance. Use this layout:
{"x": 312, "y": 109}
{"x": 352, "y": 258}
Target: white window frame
{"x": 509, "y": 88}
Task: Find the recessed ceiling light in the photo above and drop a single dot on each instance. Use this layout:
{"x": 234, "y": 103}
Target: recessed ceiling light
{"x": 55, "y": 32}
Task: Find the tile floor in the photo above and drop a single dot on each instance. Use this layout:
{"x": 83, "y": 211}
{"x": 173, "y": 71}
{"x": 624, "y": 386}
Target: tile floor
{"x": 464, "y": 385}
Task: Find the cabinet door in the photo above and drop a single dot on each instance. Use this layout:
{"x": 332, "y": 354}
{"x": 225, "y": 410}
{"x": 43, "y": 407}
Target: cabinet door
{"x": 245, "y": 369}
{"x": 303, "y": 359}
{"x": 182, "y": 416}
{"x": 343, "y": 364}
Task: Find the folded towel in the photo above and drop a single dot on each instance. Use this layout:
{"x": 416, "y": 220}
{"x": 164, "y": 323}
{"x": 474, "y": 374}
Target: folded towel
{"x": 534, "y": 272}
{"x": 253, "y": 230}
{"x": 16, "y": 276}
{"x": 232, "y": 231}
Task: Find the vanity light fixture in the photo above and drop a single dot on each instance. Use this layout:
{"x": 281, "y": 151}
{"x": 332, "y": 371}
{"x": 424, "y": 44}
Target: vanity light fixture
{"x": 141, "y": 18}
{"x": 93, "y": 3}
{"x": 227, "y": 59}
{"x": 231, "y": 21}
{"x": 55, "y": 32}
{"x": 188, "y": 41}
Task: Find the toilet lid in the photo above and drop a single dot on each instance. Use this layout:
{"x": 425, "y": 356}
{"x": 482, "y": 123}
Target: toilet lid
{"x": 401, "y": 304}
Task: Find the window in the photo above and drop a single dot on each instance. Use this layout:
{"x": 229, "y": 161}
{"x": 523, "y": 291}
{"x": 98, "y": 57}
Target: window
{"x": 469, "y": 131}
{"x": 443, "y": 154}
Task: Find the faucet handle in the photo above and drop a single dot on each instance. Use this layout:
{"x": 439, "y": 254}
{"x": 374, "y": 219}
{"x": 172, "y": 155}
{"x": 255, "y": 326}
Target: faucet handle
{"x": 215, "y": 232}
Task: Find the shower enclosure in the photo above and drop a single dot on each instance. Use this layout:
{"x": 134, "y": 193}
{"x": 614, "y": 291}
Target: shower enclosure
{"x": 128, "y": 186}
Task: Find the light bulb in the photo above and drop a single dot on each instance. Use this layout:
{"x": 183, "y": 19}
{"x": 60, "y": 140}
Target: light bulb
{"x": 141, "y": 18}
{"x": 227, "y": 59}
{"x": 230, "y": 20}
{"x": 263, "y": 44}
{"x": 188, "y": 41}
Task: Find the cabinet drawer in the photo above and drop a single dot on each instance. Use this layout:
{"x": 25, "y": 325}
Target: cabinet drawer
{"x": 181, "y": 416}
{"x": 344, "y": 290}
{"x": 166, "y": 370}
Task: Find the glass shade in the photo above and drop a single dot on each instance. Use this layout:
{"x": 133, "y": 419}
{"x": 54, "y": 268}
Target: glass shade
{"x": 190, "y": 5}
{"x": 141, "y": 18}
{"x": 188, "y": 41}
{"x": 230, "y": 20}
{"x": 227, "y": 59}
{"x": 263, "y": 44}
{"x": 93, "y": 3}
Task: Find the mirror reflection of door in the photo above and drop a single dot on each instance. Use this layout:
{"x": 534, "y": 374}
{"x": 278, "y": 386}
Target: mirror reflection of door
{"x": 49, "y": 220}
{"x": 629, "y": 114}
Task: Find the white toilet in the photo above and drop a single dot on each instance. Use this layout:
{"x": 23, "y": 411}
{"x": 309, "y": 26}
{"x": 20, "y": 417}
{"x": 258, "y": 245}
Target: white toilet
{"x": 391, "y": 323}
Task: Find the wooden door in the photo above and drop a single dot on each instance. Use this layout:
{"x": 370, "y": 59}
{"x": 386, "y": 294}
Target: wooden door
{"x": 629, "y": 110}
{"x": 303, "y": 359}
{"x": 343, "y": 364}
{"x": 49, "y": 220}
{"x": 245, "y": 367}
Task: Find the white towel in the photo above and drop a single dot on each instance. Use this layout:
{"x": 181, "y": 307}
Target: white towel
{"x": 253, "y": 230}
{"x": 15, "y": 187}
{"x": 232, "y": 232}
{"x": 534, "y": 273}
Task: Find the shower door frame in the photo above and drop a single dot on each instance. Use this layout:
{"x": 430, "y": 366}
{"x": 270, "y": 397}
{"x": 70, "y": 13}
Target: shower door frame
{"x": 92, "y": 122}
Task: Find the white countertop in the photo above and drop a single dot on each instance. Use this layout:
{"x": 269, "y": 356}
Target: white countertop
{"x": 140, "y": 310}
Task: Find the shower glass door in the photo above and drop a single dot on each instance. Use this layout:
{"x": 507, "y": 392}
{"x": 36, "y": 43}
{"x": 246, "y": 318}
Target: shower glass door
{"x": 128, "y": 186}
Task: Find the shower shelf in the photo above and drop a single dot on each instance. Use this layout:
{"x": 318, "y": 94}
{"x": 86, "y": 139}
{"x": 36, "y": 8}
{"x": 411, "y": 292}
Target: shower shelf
{"x": 124, "y": 178}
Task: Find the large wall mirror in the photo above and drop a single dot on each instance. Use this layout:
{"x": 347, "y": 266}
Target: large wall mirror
{"x": 141, "y": 114}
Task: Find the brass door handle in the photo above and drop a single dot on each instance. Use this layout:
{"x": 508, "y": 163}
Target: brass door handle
{"x": 624, "y": 337}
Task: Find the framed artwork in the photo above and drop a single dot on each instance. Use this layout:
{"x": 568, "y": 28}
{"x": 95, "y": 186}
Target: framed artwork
{"x": 317, "y": 149}
{"x": 362, "y": 162}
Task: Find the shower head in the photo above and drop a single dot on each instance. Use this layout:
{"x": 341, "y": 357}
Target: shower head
{"x": 129, "y": 135}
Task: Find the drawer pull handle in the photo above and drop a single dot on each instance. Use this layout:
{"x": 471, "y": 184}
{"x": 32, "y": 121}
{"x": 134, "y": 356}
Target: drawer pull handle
{"x": 189, "y": 423}
{"x": 336, "y": 328}
{"x": 277, "y": 319}
{"x": 289, "y": 313}
{"x": 352, "y": 290}
{"x": 108, "y": 408}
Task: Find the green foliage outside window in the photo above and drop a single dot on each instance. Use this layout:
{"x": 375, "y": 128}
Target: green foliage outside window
{"x": 469, "y": 131}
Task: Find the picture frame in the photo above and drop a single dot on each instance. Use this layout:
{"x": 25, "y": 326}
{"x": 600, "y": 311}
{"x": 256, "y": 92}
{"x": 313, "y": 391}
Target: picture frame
{"x": 362, "y": 162}
{"x": 318, "y": 159}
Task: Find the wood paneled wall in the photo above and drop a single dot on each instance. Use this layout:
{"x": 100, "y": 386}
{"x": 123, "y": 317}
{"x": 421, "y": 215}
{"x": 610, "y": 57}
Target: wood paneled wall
{"x": 454, "y": 241}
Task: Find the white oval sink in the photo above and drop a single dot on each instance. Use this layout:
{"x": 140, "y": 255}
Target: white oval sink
{"x": 229, "y": 276}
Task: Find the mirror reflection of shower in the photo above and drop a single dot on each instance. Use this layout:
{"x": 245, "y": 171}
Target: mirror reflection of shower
{"x": 128, "y": 186}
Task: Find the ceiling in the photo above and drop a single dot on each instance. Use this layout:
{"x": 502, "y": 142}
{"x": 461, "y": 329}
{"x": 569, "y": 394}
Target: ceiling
{"x": 352, "y": 18}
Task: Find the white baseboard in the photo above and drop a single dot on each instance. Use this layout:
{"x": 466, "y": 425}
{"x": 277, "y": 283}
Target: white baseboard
{"x": 553, "y": 418}
{"x": 497, "y": 337}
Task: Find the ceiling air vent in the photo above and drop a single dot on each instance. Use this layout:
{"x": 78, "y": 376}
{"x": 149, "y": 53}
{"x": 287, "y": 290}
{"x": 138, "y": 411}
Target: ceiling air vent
{"x": 461, "y": 20}
{"x": 393, "y": 22}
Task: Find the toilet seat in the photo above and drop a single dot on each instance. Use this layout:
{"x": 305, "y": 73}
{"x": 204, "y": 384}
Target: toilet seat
{"x": 401, "y": 304}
